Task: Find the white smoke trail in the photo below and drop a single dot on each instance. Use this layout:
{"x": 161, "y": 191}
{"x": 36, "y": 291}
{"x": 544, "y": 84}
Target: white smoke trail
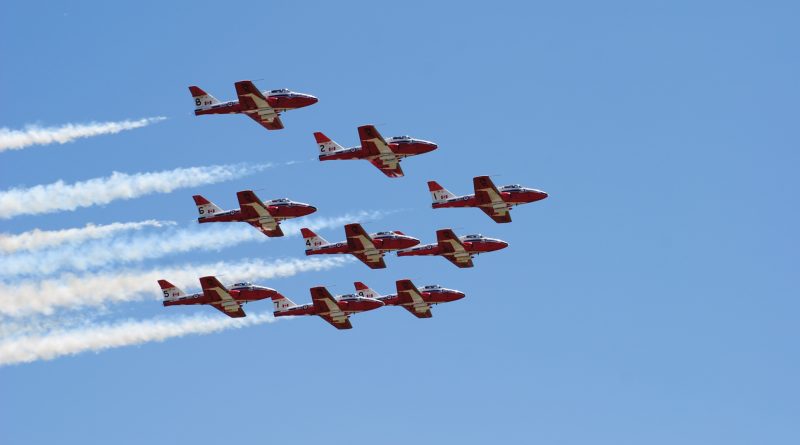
{"x": 76, "y": 291}
{"x": 59, "y": 196}
{"x": 40, "y": 239}
{"x": 156, "y": 245}
{"x": 36, "y": 135}
{"x": 57, "y": 343}
{"x": 40, "y": 324}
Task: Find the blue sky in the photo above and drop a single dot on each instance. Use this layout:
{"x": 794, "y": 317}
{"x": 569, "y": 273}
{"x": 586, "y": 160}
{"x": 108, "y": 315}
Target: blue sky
{"x": 651, "y": 299}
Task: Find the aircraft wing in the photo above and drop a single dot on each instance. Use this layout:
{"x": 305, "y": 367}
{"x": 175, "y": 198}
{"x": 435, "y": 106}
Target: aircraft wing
{"x": 498, "y": 215}
{"x": 272, "y": 233}
{"x": 255, "y": 106}
{"x": 362, "y": 246}
{"x": 418, "y": 312}
{"x": 220, "y": 298}
{"x": 391, "y": 169}
{"x": 462, "y": 261}
{"x": 328, "y": 308}
{"x": 257, "y": 214}
{"x": 453, "y": 249}
{"x": 373, "y": 261}
{"x": 381, "y": 155}
{"x": 490, "y": 200}
{"x": 270, "y": 121}
{"x": 233, "y": 314}
{"x": 411, "y": 299}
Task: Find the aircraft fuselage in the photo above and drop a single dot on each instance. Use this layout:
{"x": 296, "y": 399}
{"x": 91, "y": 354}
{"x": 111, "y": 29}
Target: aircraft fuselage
{"x": 401, "y": 148}
{"x": 279, "y": 211}
{"x": 511, "y": 197}
{"x": 349, "y": 304}
{"x": 241, "y": 293}
{"x": 474, "y": 246}
{"x": 383, "y": 243}
{"x": 280, "y": 102}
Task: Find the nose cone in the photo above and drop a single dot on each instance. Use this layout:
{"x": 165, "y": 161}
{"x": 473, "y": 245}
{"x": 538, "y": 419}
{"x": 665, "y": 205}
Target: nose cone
{"x": 458, "y": 295}
{"x": 499, "y": 245}
{"x": 308, "y": 99}
{"x": 306, "y": 209}
{"x": 541, "y": 195}
{"x": 430, "y": 146}
{"x": 261, "y": 293}
{"x": 408, "y": 241}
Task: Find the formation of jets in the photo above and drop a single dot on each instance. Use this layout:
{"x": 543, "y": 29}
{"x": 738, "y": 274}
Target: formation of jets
{"x": 265, "y": 108}
{"x": 336, "y": 310}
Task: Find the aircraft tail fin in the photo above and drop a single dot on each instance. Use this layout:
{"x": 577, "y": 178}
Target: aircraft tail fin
{"x": 201, "y": 98}
{"x": 280, "y": 302}
{"x": 205, "y": 207}
{"x": 326, "y": 145}
{"x": 171, "y": 292}
{"x": 362, "y": 290}
{"x": 312, "y": 239}
{"x": 439, "y": 193}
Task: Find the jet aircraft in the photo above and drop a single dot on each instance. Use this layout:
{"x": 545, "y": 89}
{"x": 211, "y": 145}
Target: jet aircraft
{"x": 263, "y": 107}
{"x": 457, "y": 250}
{"x": 385, "y": 154}
{"x": 495, "y": 202}
{"x": 369, "y": 248}
{"x": 227, "y": 301}
{"x": 266, "y": 217}
{"x": 335, "y": 311}
{"x": 416, "y": 300}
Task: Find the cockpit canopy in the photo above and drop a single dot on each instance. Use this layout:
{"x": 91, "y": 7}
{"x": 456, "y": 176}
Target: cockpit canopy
{"x": 514, "y": 186}
{"x": 474, "y": 236}
{"x": 243, "y": 284}
{"x": 432, "y": 287}
{"x": 346, "y": 296}
{"x": 401, "y": 138}
{"x": 384, "y": 234}
{"x": 282, "y": 90}
{"x": 282, "y": 200}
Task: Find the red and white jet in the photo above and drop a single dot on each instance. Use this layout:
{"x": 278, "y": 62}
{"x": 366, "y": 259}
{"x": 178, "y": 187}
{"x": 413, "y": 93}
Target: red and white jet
{"x": 263, "y": 107}
{"x": 266, "y": 217}
{"x": 227, "y": 301}
{"x": 457, "y": 250}
{"x": 369, "y": 248}
{"x": 385, "y": 154}
{"x": 418, "y": 301}
{"x": 335, "y": 311}
{"x": 493, "y": 201}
